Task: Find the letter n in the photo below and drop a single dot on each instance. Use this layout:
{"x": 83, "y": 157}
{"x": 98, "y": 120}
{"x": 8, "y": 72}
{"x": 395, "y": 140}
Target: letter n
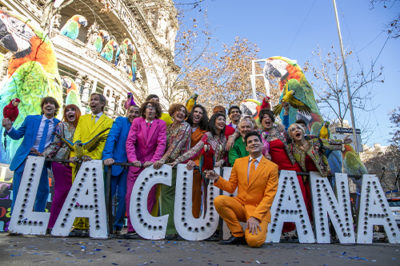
{"x": 339, "y": 210}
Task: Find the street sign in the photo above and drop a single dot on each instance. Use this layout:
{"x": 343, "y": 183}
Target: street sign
{"x": 345, "y": 130}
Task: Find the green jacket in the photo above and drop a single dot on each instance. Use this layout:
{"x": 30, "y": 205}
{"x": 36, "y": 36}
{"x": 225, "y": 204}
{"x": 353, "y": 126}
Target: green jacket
{"x": 237, "y": 151}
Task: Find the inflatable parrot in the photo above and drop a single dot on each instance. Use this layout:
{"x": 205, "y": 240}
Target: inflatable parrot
{"x": 126, "y": 45}
{"x": 291, "y": 75}
{"x": 132, "y": 75}
{"x": 73, "y": 95}
{"x": 292, "y": 78}
{"x": 250, "y": 107}
{"x": 71, "y": 28}
{"x": 32, "y": 71}
{"x": 99, "y": 39}
{"x": 108, "y": 50}
{"x": 191, "y": 102}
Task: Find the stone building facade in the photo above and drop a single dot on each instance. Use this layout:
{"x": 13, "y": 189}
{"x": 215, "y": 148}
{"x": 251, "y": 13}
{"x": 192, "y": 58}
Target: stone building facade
{"x": 151, "y": 26}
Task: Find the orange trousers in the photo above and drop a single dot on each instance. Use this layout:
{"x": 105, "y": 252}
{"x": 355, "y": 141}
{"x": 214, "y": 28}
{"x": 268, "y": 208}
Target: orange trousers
{"x": 233, "y": 212}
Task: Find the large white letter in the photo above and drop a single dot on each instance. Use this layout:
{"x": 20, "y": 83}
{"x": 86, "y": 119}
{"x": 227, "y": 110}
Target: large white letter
{"x": 288, "y": 206}
{"x": 24, "y": 220}
{"x": 85, "y": 199}
{"x": 375, "y": 210}
{"x": 339, "y": 210}
{"x": 146, "y": 225}
{"x": 186, "y": 225}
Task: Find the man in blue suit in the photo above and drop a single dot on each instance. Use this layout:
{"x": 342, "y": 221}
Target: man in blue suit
{"x": 115, "y": 151}
{"x": 37, "y": 131}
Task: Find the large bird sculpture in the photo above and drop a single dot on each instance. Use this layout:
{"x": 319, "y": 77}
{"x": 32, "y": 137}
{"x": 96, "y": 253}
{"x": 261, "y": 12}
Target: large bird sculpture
{"x": 32, "y": 71}
{"x": 73, "y": 95}
{"x": 71, "y": 28}
{"x": 108, "y": 51}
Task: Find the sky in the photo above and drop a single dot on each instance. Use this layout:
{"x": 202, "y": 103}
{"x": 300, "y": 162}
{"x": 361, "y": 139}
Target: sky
{"x": 295, "y": 29}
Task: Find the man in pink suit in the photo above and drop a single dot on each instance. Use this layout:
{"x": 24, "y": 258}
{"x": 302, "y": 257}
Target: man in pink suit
{"x": 145, "y": 145}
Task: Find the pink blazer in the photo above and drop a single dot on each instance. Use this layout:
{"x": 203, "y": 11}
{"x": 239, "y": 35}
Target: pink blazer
{"x": 146, "y": 143}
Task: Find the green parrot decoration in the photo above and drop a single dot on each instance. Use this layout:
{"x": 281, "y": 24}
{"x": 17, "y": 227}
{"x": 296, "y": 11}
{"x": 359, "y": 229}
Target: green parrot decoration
{"x": 98, "y": 39}
{"x": 71, "y": 28}
{"x": 292, "y": 78}
{"x": 108, "y": 51}
{"x": 32, "y": 72}
{"x": 73, "y": 96}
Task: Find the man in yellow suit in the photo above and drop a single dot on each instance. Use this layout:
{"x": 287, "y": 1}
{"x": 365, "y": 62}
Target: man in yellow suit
{"x": 88, "y": 127}
{"x": 257, "y": 181}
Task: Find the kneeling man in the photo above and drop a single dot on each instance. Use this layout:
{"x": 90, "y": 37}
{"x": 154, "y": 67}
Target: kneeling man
{"x": 257, "y": 182}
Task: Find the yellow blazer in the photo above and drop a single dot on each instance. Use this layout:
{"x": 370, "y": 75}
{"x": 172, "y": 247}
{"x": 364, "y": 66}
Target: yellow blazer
{"x": 87, "y": 129}
{"x": 256, "y": 195}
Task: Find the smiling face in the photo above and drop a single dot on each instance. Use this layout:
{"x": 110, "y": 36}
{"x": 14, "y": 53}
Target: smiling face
{"x": 266, "y": 122}
{"x": 179, "y": 115}
{"x": 296, "y": 132}
{"x": 70, "y": 114}
{"x": 96, "y": 105}
{"x": 220, "y": 123}
{"x": 197, "y": 115}
{"x": 245, "y": 127}
{"x": 254, "y": 146}
{"x": 49, "y": 109}
{"x": 133, "y": 112}
{"x": 234, "y": 115}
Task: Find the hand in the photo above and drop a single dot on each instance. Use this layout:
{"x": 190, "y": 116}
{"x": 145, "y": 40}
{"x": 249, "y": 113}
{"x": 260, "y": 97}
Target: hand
{"x": 74, "y": 159}
{"x": 285, "y": 106}
{"x": 190, "y": 165}
{"x": 347, "y": 140}
{"x": 172, "y": 164}
{"x": 137, "y": 164}
{"x": 35, "y": 152}
{"x": 253, "y": 224}
{"x": 211, "y": 174}
{"x": 157, "y": 165}
{"x": 109, "y": 161}
{"x": 6, "y": 123}
{"x": 147, "y": 164}
{"x": 219, "y": 163}
{"x": 230, "y": 142}
{"x": 86, "y": 158}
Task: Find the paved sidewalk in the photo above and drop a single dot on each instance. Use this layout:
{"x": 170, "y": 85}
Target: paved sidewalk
{"x": 33, "y": 250}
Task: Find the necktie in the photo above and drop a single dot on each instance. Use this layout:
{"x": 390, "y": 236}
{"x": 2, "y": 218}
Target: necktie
{"x": 252, "y": 169}
{"x": 44, "y": 136}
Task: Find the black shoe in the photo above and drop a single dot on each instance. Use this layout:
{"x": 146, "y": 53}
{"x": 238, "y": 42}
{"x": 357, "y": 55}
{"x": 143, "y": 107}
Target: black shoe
{"x": 233, "y": 240}
{"x": 131, "y": 235}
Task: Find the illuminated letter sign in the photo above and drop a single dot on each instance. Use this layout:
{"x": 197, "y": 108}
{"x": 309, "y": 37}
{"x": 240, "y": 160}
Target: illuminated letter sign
{"x": 339, "y": 210}
{"x": 85, "y": 199}
{"x": 146, "y": 225}
{"x": 186, "y": 225}
{"x": 288, "y": 206}
{"x": 24, "y": 220}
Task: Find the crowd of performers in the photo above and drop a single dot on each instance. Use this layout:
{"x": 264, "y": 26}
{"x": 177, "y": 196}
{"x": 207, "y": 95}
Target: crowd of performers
{"x": 255, "y": 150}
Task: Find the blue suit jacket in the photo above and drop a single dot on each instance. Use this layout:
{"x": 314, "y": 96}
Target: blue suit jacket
{"x": 28, "y": 130}
{"x": 115, "y": 144}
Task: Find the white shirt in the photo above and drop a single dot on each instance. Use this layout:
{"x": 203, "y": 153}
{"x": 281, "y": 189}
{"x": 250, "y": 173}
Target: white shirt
{"x": 258, "y": 159}
{"x": 40, "y": 132}
{"x": 97, "y": 116}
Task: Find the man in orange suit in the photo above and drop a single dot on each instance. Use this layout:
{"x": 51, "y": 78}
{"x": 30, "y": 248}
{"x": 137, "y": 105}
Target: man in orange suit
{"x": 257, "y": 182}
